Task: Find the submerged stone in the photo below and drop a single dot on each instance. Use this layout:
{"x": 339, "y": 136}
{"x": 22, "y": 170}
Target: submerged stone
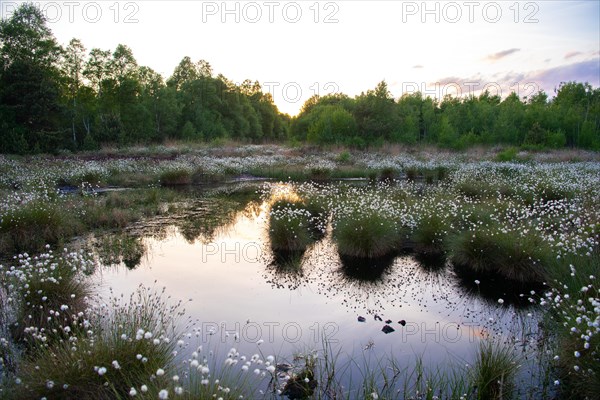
{"x": 284, "y": 367}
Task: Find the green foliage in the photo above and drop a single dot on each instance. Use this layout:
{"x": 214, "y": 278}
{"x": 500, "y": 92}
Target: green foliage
{"x": 344, "y": 157}
{"x": 536, "y": 135}
{"x": 34, "y": 225}
{"x": 174, "y": 177}
{"x": 556, "y": 139}
{"x": 46, "y": 104}
{"x": 458, "y": 123}
{"x": 494, "y": 371}
{"x": 570, "y": 275}
{"x": 447, "y": 135}
{"x": 54, "y": 98}
{"x": 332, "y": 125}
{"x": 319, "y": 174}
{"x": 13, "y": 138}
{"x": 45, "y": 290}
{"x": 387, "y": 174}
{"x": 521, "y": 258}
{"x": 473, "y": 188}
{"x": 188, "y": 132}
{"x": 430, "y": 236}
{"x": 290, "y": 226}
{"x": 73, "y": 370}
{"x": 365, "y": 234}
{"x": 507, "y": 155}
{"x": 89, "y": 143}
{"x": 120, "y": 248}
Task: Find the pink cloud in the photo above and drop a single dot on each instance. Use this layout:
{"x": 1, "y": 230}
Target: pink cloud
{"x": 572, "y": 54}
{"x": 501, "y": 54}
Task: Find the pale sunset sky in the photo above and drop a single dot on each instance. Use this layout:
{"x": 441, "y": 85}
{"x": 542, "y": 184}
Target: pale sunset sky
{"x": 298, "y": 48}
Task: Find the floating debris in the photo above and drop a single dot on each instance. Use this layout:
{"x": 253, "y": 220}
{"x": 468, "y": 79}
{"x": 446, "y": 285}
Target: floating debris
{"x": 387, "y": 329}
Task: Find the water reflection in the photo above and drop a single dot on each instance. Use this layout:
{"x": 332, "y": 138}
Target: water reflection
{"x": 122, "y": 248}
{"x": 284, "y": 270}
{"x": 365, "y": 269}
{"x": 496, "y": 289}
{"x": 432, "y": 263}
{"x": 216, "y": 250}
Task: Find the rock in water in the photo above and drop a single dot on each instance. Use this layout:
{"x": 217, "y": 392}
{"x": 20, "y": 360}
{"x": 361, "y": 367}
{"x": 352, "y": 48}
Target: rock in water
{"x": 389, "y": 321}
{"x": 402, "y": 322}
{"x": 387, "y": 329}
{"x": 361, "y": 319}
{"x": 284, "y": 367}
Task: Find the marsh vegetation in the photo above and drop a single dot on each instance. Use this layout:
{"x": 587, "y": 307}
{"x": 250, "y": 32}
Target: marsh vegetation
{"x": 505, "y": 253}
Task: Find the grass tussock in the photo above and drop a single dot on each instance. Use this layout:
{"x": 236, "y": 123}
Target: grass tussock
{"x": 507, "y": 254}
{"x": 574, "y": 316}
{"x": 430, "y": 236}
{"x": 120, "y": 347}
{"x": 366, "y": 234}
{"x": 319, "y": 174}
{"x": 56, "y": 220}
{"x": 50, "y": 293}
{"x": 175, "y": 177}
{"x": 387, "y": 175}
{"x": 34, "y": 225}
{"x": 493, "y": 373}
{"x": 294, "y": 225}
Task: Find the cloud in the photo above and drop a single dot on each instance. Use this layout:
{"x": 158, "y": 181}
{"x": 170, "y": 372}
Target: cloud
{"x": 448, "y": 80}
{"x": 572, "y": 54}
{"x": 583, "y": 71}
{"x": 455, "y": 80}
{"x": 418, "y": 66}
{"x": 501, "y": 54}
{"x": 524, "y": 83}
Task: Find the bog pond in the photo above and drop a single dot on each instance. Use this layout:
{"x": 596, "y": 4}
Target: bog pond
{"x": 216, "y": 256}
{"x": 186, "y": 275}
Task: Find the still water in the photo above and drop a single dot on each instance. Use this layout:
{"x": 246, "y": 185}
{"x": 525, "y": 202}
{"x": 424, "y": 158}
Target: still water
{"x": 219, "y": 257}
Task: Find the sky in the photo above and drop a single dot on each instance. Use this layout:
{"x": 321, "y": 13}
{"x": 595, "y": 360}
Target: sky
{"x": 296, "y": 49}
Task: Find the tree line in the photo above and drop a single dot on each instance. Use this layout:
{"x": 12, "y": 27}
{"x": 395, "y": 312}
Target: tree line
{"x": 571, "y": 118}
{"x": 54, "y": 98}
